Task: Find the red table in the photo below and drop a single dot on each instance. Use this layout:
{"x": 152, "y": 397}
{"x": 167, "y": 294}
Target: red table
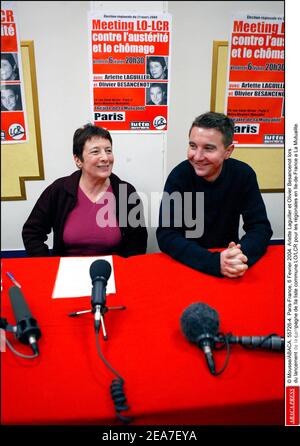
{"x": 166, "y": 377}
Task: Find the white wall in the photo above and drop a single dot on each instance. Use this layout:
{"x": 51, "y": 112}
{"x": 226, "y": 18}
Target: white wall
{"x": 59, "y": 32}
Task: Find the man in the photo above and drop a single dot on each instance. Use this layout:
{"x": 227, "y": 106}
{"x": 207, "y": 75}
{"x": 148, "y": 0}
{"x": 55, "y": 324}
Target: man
{"x": 10, "y": 98}
{"x": 157, "y": 95}
{"x": 230, "y": 190}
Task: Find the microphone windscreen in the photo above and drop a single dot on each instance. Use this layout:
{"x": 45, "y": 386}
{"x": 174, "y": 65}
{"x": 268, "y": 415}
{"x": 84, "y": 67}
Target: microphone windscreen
{"x": 198, "y": 319}
{"x": 100, "y": 268}
{"x": 18, "y": 303}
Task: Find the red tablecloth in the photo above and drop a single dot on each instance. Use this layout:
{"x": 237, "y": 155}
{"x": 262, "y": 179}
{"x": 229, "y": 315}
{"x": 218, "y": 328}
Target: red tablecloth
{"x": 166, "y": 377}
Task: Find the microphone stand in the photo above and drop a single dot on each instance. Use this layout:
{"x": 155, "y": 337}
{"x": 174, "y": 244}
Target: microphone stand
{"x": 103, "y": 309}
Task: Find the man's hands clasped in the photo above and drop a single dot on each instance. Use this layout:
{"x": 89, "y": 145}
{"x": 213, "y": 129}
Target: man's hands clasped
{"x": 233, "y": 261}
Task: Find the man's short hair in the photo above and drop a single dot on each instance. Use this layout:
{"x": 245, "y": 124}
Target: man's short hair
{"x": 219, "y": 121}
{"x": 85, "y": 133}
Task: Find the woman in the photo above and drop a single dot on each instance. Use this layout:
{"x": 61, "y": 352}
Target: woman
{"x": 9, "y": 69}
{"x": 157, "y": 67}
{"x": 86, "y": 210}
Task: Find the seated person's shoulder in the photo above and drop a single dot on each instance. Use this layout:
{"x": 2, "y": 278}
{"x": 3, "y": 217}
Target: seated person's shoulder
{"x": 182, "y": 173}
{"x": 242, "y": 175}
{"x": 116, "y": 181}
{"x": 241, "y": 167}
{"x": 182, "y": 168}
{"x": 65, "y": 182}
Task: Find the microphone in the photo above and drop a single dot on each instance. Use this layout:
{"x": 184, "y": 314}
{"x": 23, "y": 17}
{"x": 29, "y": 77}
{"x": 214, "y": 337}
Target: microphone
{"x": 100, "y": 271}
{"x": 200, "y": 325}
{"x": 27, "y": 330}
{"x": 271, "y": 342}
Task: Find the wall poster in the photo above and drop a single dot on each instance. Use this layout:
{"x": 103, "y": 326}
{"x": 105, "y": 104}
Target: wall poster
{"x": 13, "y": 110}
{"x": 129, "y": 58}
{"x": 255, "y": 79}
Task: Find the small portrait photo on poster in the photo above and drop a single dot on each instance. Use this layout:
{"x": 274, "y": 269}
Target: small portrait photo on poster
{"x": 11, "y": 98}
{"x": 157, "y": 67}
{"x": 156, "y": 94}
{"x": 9, "y": 67}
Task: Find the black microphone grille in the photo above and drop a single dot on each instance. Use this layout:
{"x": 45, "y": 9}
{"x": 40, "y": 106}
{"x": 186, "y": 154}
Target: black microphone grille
{"x": 100, "y": 268}
{"x": 198, "y": 319}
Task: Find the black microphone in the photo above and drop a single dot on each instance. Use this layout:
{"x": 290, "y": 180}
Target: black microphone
{"x": 271, "y": 342}
{"x": 100, "y": 271}
{"x": 200, "y": 324}
{"x": 27, "y": 329}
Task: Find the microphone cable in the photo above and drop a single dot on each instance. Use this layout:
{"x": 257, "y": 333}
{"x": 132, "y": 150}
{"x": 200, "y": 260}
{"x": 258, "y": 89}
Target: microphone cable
{"x": 116, "y": 388}
{"x": 224, "y": 343}
{"x": 222, "y": 340}
{"x": 21, "y": 355}
{"x": 8, "y": 327}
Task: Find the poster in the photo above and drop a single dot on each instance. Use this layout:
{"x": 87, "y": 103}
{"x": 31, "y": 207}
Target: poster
{"x": 129, "y": 57}
{"x": 255, "y": 80}
{"x": 291, "y": 227}
{"x": 13, "y": 116}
